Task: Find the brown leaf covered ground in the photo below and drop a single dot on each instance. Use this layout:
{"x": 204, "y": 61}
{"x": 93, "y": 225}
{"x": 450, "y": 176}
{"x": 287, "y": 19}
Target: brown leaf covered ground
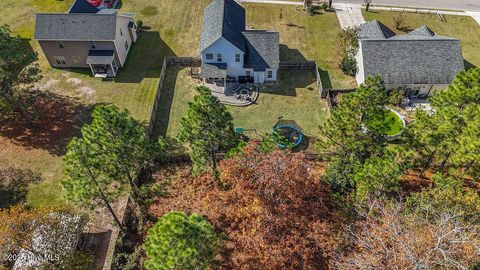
{"x": 275, "y": 213}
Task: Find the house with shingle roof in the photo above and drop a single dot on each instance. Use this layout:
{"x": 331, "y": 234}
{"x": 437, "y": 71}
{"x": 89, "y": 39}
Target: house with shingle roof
{"x": 86, "y": 37}
{"x": 420, "y": 62}
{"x": 229, "y": 51}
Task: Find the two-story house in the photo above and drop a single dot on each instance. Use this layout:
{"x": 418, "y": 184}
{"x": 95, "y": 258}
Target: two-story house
{"x": 231, "y": 52}
{"x": 99, "y": 41}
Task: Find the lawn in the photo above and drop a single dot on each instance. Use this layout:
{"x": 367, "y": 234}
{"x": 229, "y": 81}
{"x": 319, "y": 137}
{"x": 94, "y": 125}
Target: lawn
{"x": 390, "y": 121}
{"x": 295, "y": 97}
{"x": 174, "y": 30}
{"x": 463, "y": 27}
{"x": 303, "y": 37}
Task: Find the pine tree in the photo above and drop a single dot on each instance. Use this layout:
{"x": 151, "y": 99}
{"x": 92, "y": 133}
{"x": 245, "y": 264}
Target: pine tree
{"x": 178, "y": 241}
{"x": 17, "y": 71}
{"x": 449, "y": 135}
{"x": 208, "y": 128}
{"x": 104, "y": 164}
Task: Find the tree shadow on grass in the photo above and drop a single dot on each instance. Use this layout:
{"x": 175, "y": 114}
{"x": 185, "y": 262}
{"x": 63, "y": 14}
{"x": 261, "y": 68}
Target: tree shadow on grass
{"x": 289, "y": 82}
{"x": 57, "y": 119}
{"x": 14, "y": 184}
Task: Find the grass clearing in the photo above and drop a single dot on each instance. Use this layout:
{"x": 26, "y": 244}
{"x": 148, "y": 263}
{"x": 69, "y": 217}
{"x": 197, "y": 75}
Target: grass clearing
{"x": 294, "y": 97}
{"x": 175, "y": 30}
{"x": 391, "y": 122}
{"x": 463, "y": 27}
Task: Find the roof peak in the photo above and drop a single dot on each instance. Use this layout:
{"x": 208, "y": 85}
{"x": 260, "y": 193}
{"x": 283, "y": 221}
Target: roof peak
{"x": 422, "y": 31}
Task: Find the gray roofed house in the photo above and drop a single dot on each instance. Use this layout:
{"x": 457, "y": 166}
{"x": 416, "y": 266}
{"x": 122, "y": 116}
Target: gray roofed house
{"x": 420, "y": 61}
{"x": 95, "y": 38}
{"x": 85, "y": 26}
{"x": 248, "y": 55}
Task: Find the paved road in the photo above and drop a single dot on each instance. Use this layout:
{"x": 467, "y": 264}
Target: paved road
{"x": 466, "y": 5}
{"x": 469, "y": 5}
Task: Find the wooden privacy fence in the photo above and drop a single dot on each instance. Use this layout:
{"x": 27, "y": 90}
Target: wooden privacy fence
{"x": 153, "y": 115}
{"x": 183, "y": 61}
{"x": 307, "y": 65}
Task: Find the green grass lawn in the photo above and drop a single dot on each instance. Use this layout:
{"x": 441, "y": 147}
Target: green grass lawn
{"x": 174, "y": 30}
{"x": 462, "y": 27}
{"x": 303, "y": 37}
{"x": 391, "y": 123}
{"x": 294, "y": 97}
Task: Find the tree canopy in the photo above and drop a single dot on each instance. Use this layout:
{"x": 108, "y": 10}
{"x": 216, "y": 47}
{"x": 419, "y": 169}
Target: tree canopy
{"x": 103, "y": 164}
{"x": 179, "y": 241}
{"x": 208, "y": 128}
{"x": 16, "y": 72}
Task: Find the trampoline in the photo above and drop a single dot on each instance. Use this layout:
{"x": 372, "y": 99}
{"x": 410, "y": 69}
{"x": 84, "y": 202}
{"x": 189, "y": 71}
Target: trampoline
{"x": 290, "y": 131}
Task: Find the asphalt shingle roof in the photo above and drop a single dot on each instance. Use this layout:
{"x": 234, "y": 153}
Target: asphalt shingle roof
{"x": 86, "y": 26}
{"x": 213, "y": 70}
{"x": 263, "y": 50}
{"x": 223, "y": 18}
{"x": 420, "y": 57}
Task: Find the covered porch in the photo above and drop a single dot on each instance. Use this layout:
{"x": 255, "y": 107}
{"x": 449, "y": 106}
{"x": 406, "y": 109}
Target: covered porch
{"x": 102, "y": 63}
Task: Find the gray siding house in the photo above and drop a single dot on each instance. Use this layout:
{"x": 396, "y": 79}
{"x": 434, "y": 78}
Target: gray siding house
{"x": 420, "y": 62}
{"x": 229, "y": 51}
{"x": 99, "y": 41}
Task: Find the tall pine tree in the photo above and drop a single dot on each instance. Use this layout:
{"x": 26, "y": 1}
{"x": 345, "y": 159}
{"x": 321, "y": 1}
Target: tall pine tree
{"x": 208, "y": 128}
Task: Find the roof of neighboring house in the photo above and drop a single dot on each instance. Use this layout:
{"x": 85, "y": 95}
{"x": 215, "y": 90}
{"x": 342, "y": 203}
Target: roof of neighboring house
{"x": 213, "y": 70}
{"x": 263, "y": 50}
{"x": 223, "y": 18}
{"x": 85, "y": 26}
{"x": 419, "y": 57}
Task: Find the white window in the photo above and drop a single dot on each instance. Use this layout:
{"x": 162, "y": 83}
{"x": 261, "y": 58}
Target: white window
{"x": 209, "y": 56}
{"x": 237, "y": 57}
{"x": 77, "y": 59}
{"x": 269, "y": 74}
{"x": 93, "y": 45}
{"x": 60, "y": 44}
{"x": 219, "y": 57}
{"x": 60, "y": 60}
{"x": 126, "y": 45}
{"x": 248, "y": 73}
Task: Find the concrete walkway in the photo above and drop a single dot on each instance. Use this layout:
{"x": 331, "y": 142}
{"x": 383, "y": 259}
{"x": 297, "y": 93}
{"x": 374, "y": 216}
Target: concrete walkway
{"x": 474, "y": 15}
{"x": 349, "y": 15}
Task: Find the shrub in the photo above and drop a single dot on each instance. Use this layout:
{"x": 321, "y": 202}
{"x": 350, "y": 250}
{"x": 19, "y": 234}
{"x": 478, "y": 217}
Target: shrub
{"x": 399, "y": 21}
{"x": 395, "y": 97}
{"x": 348, "y": 65}
{"x": 179, "y": 241}
{"x": 139, "y": 24}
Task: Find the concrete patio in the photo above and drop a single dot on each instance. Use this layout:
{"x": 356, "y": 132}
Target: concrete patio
{"x": 234, "y": 94}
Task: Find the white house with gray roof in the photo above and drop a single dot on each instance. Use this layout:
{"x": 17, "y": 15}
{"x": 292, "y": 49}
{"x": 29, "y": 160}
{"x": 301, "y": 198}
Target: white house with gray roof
{"x": 231, "y": 52}
{"x": 99, "y": 41}
{"x": 419, "y": 62}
